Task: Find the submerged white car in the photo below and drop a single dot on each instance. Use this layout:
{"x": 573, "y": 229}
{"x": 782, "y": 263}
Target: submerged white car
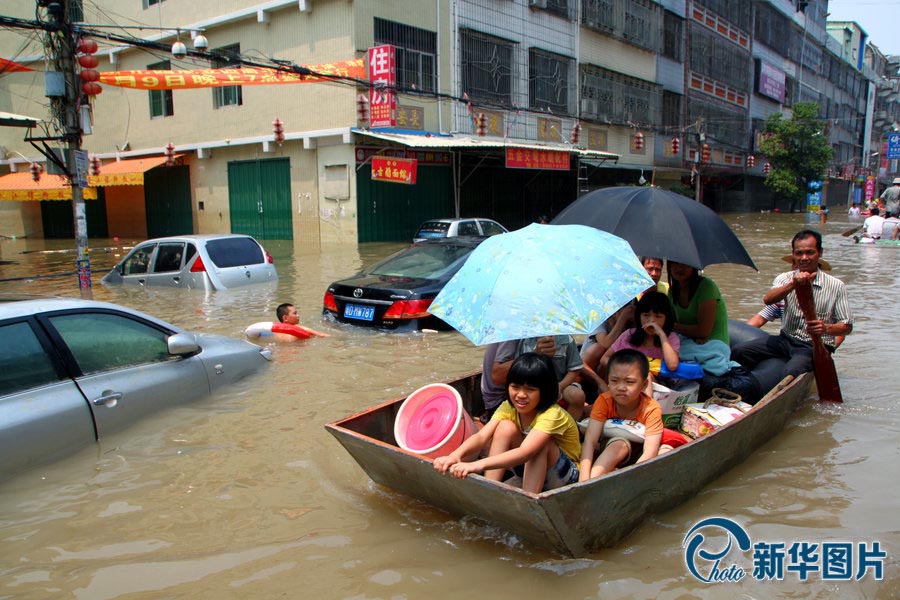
{"x": 472, "y": 227}
{"x": 73, "y": 371}
{"x": 206, "y": 262}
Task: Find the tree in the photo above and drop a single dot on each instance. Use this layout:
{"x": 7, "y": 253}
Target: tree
{"x": 797, "y": 151}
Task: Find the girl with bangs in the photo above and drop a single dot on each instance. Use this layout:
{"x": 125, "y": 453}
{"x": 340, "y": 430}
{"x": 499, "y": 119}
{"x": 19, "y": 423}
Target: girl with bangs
{"x": 528, "y": 433}
{"x": 653, "y": 336}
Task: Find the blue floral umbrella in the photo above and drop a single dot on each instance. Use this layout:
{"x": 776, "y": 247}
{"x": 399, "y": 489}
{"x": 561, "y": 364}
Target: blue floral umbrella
{"x": 541, "y": 280}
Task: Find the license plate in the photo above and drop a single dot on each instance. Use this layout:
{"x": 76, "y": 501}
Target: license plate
{"x": 361, "y": 313}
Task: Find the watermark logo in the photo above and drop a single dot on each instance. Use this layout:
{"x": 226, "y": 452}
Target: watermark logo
{"x": 716, "y": 561}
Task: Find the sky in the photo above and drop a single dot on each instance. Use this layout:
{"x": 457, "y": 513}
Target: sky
{"x": 878, "y": 18}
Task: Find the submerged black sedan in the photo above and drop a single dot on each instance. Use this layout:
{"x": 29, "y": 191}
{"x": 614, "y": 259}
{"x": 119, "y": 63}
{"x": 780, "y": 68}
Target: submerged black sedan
{"x": 396, "y": 292}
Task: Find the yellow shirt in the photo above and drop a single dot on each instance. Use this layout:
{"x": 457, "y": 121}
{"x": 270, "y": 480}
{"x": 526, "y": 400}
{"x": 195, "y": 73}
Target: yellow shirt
{"x": 555, "y": 422}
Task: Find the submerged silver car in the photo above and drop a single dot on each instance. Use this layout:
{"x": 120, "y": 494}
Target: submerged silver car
{"x": 73, "y": 371}
{"x": 207, "y": 262}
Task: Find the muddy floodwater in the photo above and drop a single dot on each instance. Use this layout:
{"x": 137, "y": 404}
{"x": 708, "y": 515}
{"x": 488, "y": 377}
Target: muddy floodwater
{"x": 245, "y": 495}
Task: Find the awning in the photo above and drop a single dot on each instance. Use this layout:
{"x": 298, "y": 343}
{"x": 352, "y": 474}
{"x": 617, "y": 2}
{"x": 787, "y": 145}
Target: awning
{"x": 446, "y": 141}
{"x": 13, "y": 120}
{"x": 127, "y": 172}
{"x": 21, "y": 187}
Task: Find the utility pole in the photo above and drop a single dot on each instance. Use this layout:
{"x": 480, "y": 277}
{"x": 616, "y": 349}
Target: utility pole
{"x": 67, "y": 111}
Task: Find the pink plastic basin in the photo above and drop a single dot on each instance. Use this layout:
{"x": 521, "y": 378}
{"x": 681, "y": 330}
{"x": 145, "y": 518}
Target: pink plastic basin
{"x": 432, "y": 421}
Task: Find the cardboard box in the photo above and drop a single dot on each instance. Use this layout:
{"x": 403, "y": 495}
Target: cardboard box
{"x": 698, "y": 421}
{"x": 673, "y": 401}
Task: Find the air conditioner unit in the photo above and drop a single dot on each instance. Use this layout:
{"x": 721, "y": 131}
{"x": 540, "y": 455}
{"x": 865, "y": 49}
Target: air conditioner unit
{"x": 537, "y": 3}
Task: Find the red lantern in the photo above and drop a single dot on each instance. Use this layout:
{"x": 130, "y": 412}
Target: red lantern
{"x": 704, "y": 153}
{"x": 766, "y": 168}
{"x": 91, "y": 88}
{"x": 362, "y": 108}
{"x": 638, "y": 141}
{"x": 36, "y": 171}
{"x": 751, "y": 161}
{"x": 88, "y": 61}
{"x": 676, "y": 145}
{"x": 481, "y": 124}
{"x": 95, "y": 166}
{"x": 86, "y": 46}
{"x": 278, "y": 130}
{"x": 576, "y": 132}
{"x": 90, "y": 75}
{"x": 170, "y": 154}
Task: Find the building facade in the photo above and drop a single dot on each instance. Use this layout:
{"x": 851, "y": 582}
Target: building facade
{"x": 569, "y": 95}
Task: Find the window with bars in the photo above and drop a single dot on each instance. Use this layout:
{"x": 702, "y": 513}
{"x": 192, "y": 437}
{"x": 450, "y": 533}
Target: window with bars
{"x": 723, "y": 125}
{"x": 736, "y": 13}
{"x": 719, "y": 59}
{"x": 161, "y": 101}
{"x": 416, "y": 53}
{"x": 610, "y": 96}
{"x": 548, "y": 81}
{"x": 229, "y": 95}
{"x": 637, "y": 22}
{"x": 558, "y": 7}
{"x": 487, "y": 67}
{"x": 673, "y": 34}
{"x": 671, "y": 109}
{"x": 75, "y": 10}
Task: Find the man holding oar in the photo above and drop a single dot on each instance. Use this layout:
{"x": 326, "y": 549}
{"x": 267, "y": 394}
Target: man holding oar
{"x": 795, "y": 344}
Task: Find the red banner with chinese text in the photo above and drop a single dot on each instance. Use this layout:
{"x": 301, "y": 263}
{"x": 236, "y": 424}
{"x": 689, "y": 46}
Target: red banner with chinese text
{"x": 526, "y": 158}
{"x": 383, "y": 74}
{"x": 205, "y": 78}
{"x": 395, "y": 170}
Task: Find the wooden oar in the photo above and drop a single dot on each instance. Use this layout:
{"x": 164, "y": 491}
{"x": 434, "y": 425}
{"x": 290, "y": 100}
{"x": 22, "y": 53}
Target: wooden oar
{"x": 851, "y": 231}
{"x": 823, "y": 365}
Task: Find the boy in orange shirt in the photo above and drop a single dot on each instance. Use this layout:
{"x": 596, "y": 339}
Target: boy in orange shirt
{"x": 628, "y": 372}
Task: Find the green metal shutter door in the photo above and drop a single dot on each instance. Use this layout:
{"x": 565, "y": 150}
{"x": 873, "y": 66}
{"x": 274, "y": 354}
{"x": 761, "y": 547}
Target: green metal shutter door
{"x": 167, "y": 198}
{"x": 391, "y": 212}
{"x": 259, "y": 198}
{"x": 56, "y": 218}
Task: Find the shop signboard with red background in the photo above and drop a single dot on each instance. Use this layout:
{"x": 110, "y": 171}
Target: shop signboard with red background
{"x": 395, "y": 170}
{"x": 383, "y": 75}
{"x": 527, "y": 158}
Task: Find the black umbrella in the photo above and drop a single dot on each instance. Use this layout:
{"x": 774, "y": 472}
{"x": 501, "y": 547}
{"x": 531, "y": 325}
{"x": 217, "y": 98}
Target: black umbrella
{"x": 659, "y": 223}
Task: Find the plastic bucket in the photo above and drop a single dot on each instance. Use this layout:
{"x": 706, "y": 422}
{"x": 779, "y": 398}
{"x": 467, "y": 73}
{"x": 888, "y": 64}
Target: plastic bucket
{"x": 432, "y": 421}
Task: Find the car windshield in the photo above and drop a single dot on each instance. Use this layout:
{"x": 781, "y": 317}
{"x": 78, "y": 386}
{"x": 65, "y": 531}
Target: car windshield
{"x": 234, "y": 252}
{"x": 423, "y": 261}
{"x": 433, "y": 229}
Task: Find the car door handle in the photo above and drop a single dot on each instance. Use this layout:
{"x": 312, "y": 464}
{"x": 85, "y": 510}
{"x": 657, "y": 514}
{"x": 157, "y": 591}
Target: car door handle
{"x": 176, "y": 279}
{"x": 109, "y": 398}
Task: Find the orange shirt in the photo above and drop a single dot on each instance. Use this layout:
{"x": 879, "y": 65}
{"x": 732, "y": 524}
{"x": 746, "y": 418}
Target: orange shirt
{"x": 649, "y": 412}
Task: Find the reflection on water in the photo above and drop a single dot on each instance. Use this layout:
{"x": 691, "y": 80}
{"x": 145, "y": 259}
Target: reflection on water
{"x": 245, "y": 494}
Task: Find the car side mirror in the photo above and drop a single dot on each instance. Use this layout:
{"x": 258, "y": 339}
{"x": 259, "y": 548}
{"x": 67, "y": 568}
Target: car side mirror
{"x": 183, "y": 344}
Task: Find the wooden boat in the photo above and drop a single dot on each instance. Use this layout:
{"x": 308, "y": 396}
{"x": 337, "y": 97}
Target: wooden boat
{"x": 578, "y": 519}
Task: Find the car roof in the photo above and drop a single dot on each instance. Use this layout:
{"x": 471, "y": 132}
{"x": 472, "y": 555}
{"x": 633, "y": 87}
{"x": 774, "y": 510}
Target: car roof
{"x": 457, "y": 220}
{"x": 12, "y": 306}
{"x": 197, "y": 237}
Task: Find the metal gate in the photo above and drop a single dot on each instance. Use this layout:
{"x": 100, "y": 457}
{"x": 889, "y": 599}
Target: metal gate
{"x": 259, "y": 198}
{"x": 392, "y": 212}
{"x": 167, "y": 201}
{"x": 57, "y": 219}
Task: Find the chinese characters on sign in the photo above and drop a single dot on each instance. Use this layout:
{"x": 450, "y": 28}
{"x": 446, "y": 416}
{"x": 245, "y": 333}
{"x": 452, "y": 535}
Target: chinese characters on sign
{"x": 395, "y": 170}
{"x": 424, "y": 157}
{"x": 596, "y": 138}
{"x": 548, "y": 130}
{"x": 382, "y": 98}
{"x": 525, "y": 158}
{"x": 411, "y": 117}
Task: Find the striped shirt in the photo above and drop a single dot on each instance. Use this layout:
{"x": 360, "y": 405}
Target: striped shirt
{"x": 832, "y": 306}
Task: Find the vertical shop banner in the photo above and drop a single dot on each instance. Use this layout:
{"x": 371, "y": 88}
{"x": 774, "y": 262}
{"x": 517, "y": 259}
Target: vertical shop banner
{"x": 395, "y": 170}
{"x": 382, "y": 97}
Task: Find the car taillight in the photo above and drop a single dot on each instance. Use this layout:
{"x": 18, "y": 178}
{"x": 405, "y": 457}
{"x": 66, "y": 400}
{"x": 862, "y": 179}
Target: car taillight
{"x": 198, "y": 266}
{"x": 408, "y": 309}
{"x": 269, "y": 259}
{"x": 329, "y": 302}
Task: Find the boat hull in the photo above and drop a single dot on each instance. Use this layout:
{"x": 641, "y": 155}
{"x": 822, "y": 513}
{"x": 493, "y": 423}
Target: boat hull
{"x": 575, "y": 520}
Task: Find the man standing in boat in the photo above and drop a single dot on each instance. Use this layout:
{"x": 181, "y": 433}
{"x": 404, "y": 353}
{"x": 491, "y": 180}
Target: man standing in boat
{"x": 794, "y": 344}
{"x": 891, "y": 197}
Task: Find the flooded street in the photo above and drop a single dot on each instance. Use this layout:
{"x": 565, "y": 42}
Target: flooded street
{"x": 246, "y": 495}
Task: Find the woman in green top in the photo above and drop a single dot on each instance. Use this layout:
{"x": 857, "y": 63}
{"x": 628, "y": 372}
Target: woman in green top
{"x": 700, "y": 312}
